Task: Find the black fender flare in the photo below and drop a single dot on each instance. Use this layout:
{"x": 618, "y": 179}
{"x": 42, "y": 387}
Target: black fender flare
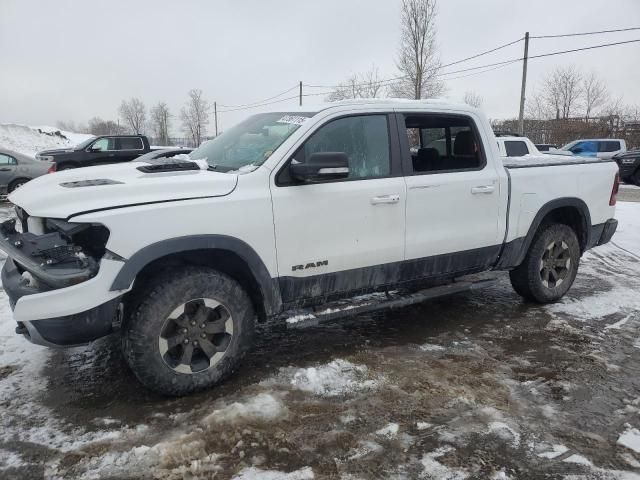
{"x": 268, "y": 286}
{"x": 514, "y": 252}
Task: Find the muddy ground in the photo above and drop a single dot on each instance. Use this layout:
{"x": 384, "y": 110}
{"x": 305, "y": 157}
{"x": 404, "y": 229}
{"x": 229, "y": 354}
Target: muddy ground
{"x": 477, "y": 385}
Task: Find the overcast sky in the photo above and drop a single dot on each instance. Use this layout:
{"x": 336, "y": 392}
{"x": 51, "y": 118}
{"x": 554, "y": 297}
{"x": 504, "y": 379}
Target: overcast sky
{"x": 72, "y": 60}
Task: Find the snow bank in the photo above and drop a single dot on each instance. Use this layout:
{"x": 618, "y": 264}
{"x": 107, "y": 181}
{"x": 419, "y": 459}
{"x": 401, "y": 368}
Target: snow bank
{"x": 30, "y": 140}
{"x": 256, "y": 474}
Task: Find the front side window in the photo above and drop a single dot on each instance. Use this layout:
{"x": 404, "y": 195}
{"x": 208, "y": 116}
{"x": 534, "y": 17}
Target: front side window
{"x": 129, "y": 143}
{"x": 584, "y": 148}
{"x": 365, "y": 140}
{"x": 515, "y": 148}
{"x": 250, "y": 143}
{"x": 104, "y": 144}
{"x": 441, "y": 143}
{"x": 7, "y": 160}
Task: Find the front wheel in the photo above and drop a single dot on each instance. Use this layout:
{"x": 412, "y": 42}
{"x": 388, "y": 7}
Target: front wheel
{"x": 550, "y": 266}
{"x": 189, "y": 331}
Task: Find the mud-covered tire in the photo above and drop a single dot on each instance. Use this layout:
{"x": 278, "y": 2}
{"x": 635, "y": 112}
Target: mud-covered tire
{"x": 528, "y": 278}
{"x": 143, "y": 328}
{"x": 17, "y": 183}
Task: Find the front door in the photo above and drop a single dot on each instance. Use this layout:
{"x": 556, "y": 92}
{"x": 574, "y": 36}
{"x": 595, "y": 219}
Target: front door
{"x": 343, "y": 235}
{"x": 453, "y": 196}
{"x": 8, "y": 166}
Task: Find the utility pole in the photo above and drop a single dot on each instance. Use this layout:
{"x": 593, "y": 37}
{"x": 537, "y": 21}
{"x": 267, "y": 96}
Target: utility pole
{"x": 215, "y": 116}
{"x": 524, "y": 84}
{"x": 300, "y": 92}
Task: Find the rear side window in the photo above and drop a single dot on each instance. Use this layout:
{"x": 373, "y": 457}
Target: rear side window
{"x": 515, "y": 148}
{"x": 442, "y": 143}
{"x": 130, "y": 143}
{"x": 608, "y": 146}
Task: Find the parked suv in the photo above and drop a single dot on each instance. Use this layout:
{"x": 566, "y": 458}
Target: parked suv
{"x": 629, "y": 163}
{"x": 598, "y": 147}
{"x": 100, "y": 150}
{"x": 289, "y": 210}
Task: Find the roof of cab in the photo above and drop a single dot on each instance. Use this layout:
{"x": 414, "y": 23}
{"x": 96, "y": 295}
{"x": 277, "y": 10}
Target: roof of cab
{"x": 391, "y": 103}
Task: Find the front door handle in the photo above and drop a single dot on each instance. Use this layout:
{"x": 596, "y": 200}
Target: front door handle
{"x": 385, "y": 199}
{"x": 483, "y": 189}
{"x": 5, "y": 169}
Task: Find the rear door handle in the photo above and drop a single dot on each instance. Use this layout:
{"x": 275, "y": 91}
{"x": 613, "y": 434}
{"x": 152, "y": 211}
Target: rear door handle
{"x": 385, "y": 199}
{"x": 483, "y": 189}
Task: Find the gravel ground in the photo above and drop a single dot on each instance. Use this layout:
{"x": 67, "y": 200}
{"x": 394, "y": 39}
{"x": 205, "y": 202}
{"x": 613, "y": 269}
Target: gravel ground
{"x": 629, "y": 193}
{"x": 478, "y": 385}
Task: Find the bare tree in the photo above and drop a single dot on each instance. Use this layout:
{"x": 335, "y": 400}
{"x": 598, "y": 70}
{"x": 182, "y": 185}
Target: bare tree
{"x": 562, "y": 90}
{"x": 98, "y": 126}
{"x": 195, "y": 116}
{"x": 473, "y": 99}
{"x": 134, "y": 114}
{"x": 595, "y": 94}
{"x": 418, "y": 59}
{"x": 160, "y": 117}
{"x": 366, "y": 85}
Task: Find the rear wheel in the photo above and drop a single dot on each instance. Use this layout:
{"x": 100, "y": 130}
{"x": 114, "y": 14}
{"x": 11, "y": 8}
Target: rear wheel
{"x": 189, "y": 331}
{"x": 550, "y": 266}
{"x": 17, "y": 184}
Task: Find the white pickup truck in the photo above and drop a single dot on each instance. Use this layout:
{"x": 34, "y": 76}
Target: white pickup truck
{"x": 290, "y": 209}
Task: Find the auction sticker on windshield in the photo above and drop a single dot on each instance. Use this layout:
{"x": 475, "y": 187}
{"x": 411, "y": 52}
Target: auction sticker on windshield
{"x": 293, "y": 119}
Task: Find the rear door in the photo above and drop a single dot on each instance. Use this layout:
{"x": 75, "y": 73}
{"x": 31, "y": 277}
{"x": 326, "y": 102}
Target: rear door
{"x": 342, "y": 235}
{"x": 102, "y": 151}
{"x": 128, "y": 148}
{"x": 608, "y": 148}
{"x": 453, "y": 195}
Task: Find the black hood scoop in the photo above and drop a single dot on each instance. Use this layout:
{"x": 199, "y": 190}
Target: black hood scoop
{"x": 161, "y": 165}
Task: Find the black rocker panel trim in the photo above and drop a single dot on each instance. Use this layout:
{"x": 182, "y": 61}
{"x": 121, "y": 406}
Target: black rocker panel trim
{"x": 155, "y": 251}
{"x": 361, "y": 280}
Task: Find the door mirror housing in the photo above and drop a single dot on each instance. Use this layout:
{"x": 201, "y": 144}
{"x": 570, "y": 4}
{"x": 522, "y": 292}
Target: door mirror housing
{"x": 95, "y": 149}
{"x": 321, "y": 166}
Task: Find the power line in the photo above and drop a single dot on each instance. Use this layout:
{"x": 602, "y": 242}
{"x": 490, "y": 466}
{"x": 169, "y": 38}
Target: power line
{"x": 260, "y": 101}
{"x": 483, "y": 53}
{"x": 389, "y": 81}
{"x": 586, "y": 33}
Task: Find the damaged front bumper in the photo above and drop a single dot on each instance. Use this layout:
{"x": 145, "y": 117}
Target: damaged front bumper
{"x": 59, "y": 295}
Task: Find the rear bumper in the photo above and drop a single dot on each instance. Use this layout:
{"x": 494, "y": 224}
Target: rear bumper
{"x": 58, "y": 331}
{"x": 602, "y": 233}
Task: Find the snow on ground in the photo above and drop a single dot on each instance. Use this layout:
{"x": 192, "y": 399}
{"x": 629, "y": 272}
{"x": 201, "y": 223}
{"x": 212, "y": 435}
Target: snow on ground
{"x": 628, "y": 233}
{"x": 30, "y": 140}
{"x": 476, "y": 386}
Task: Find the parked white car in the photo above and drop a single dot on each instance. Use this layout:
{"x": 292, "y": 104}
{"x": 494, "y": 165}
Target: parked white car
{"x": 515, "y": 146}
{"x": 290, "y": 209}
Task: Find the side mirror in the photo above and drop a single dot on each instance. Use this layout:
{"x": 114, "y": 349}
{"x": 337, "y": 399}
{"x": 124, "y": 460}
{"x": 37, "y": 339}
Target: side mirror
{"x": 321, "y": 166}
{"x": 95, "y": 149}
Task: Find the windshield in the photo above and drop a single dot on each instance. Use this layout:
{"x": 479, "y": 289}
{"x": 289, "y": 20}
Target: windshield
{"x": 85, "y": 144}
{"x": 251, "y": 142}
{"x": 569, "y": 145}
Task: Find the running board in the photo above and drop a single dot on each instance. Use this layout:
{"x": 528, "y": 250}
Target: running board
{"x": 373, "y": 302}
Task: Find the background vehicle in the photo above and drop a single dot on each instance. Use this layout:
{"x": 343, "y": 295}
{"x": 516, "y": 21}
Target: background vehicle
{"x": 354, "y": 197}
{"x": 596, "y": 147}
{"x": 100, "y": 150}
{"x": 517, "y": 146}
{"x": 164, "y": 153}
{"x": 545, "y": 147}
{"x": 629, "y": 164}
{"x": 16, "y": 169}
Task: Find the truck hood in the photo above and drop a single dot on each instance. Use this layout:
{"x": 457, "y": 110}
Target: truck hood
{"x": 55, "y": 151}
{"x": 70, "y": 192}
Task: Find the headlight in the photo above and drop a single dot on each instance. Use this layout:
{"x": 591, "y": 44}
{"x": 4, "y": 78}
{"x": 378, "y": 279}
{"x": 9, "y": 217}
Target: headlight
{"x": 628, "y": 161}
{"x": 45, "y": 158}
